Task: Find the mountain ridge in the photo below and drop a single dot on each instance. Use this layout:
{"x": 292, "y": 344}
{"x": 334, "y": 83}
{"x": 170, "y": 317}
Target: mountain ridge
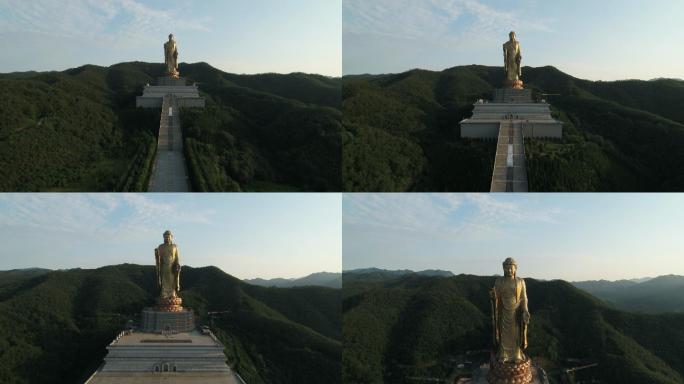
{"x": 422, "y": 327}
{"x": 257, "y": 132}
{"x": 655, "y": 295}
{"x": 402, "y": 132}
{"x": 54, "y": 327}
{"x": 377, "y": 274}
{"x": 324, "y": 279}
{"x": 182, "y": 63}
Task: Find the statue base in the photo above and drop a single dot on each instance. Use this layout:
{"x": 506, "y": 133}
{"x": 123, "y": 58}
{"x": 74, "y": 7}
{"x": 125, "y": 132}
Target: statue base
{"x": 174, "y": 74}
{"x": 156, "y": 321}
{"x": 481, "y": 375}
{"x": 514, "y": 84}
{"x": 519, "y": 372}
{"x": 173, "y": 304}
{"x": 169, "y": 81}
{"x": 514, "y": 96}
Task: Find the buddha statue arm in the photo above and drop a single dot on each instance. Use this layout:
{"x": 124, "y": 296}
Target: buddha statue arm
{"x": 523, "y": 302}
{"x": 176, "y": 269}
{"x": 174, "y": 55}
{"x": 156, "y": 259}
{"x": 505, "y": 58}
{"x": 495, "y": 316}
{"x": 525, "y": 316}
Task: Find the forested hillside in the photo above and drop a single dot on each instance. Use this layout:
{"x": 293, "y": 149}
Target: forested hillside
{"x": 657, "y": 295}
{"x": 79, "y": 130}
{"x": 402, "y": 132}
{"x": 54, "y": 326}
{"x": 418, "y": 326}
{"x": 322, "y": 279}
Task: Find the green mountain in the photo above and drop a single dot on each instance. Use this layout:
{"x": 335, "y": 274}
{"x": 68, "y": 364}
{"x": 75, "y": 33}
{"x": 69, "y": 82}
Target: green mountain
{"x": 421, "y": 326}
{"x": 660, "y": 294}
{"x": 79, "y": 130}
{"x": 54, "y": 327}
{"x": 401, "y": 132}
{"x": 322, "y": 279}
{"x": 20, "y": 274}
{"x": 369, "y": 274}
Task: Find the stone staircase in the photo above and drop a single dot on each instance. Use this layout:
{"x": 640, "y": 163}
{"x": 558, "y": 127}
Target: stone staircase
{"x": 169, "y": 173}
{"x": 510, "y": 174}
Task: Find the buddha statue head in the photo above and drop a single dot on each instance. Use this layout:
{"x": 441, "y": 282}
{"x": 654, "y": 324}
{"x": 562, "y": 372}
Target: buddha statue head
{"x": 510, "y": 266}
{"x": 168, "y": 237}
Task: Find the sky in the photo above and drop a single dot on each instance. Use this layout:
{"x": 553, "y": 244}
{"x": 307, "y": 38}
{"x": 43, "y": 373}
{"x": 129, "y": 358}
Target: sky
{"x": 589, "y": 39}
{"x": 236, "y": 36}
{"x": 552, "y": 236}
{"x": 246, "y": 235}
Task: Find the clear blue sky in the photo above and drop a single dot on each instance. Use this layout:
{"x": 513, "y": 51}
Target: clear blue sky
{"x": 246, "y": 235}
{"x": 236, "y": 36}
{"x": 596, "y": 40}
{"x": 565, "y": 236}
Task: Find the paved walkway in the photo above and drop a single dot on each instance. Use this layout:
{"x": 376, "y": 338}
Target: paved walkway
{"x": 510, "y": 174}
{"x": 169, "y": 173}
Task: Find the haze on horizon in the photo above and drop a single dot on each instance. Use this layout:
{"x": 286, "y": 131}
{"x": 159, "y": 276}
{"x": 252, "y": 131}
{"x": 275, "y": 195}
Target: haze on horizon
{"x": 573, "y": 237}
{"x": 249, "y": 37}
{"x": 246, "y": 235}
{"x": 595, "y": 40}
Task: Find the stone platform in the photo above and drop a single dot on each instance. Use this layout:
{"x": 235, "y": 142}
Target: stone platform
{"x": 171, "y": 81}
{"x": 512, "y": 95}
{"x": 156, "y": 321}
{"x": 187, "y": 95}
{"x": 165, "y": 378}
{"x": 511, "y": 104}
{"x": 187, "y": 357}
{"x": 487, "y": 119}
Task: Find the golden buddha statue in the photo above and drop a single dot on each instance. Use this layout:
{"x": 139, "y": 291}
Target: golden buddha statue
{"x": 168, "y": 273}
{"x": 510, "y": 317}
{"x": 512, "y": 59}
{"x": 171, "y": 57}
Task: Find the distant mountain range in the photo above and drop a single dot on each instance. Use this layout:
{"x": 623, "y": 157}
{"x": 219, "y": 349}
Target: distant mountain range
{"x": 55, "y": 325}
{"x": 79, "y": 130}
{"x": 22, "y": 273}
{"x": 323, "y": 279}
{"x": 660, "y": 294}
{"x": 401, "y": 132}
{"x": 368, "y": 274}
{"x": 411, "y": 326}
{"x": 667, "y": 78}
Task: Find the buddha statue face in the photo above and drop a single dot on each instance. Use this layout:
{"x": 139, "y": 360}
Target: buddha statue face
{"x": 510, "y": 267}
{"x": 171, "y": 37}
{"x": 511, "y": 36}
{"x": 168, "y": 237}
